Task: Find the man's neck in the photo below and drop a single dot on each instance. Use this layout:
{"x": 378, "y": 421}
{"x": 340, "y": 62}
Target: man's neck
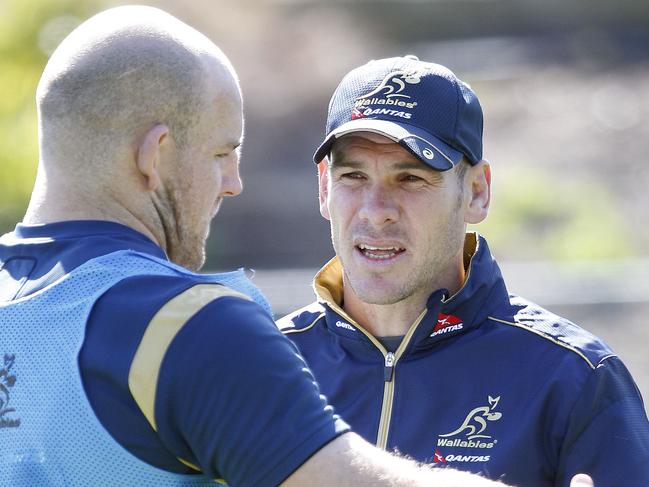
{"x": 396, "y": 319}
{"x": 383, "y": 319}
{"x": 46, "y": 209}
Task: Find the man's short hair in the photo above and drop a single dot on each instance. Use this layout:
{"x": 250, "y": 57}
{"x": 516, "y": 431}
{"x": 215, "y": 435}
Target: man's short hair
{"x": 111, "y": 78}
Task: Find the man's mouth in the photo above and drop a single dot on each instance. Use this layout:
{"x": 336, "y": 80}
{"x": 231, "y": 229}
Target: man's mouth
{"x": 380, "y": 252}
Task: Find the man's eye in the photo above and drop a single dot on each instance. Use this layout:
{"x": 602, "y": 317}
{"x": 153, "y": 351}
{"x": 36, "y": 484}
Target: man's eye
{"x": 411, "y": 178}
{"x": 352, "y": 175}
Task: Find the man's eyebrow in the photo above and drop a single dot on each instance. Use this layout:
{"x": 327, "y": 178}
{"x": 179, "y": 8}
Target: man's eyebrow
{"x": 338, "y": 162}
{"x": 400, "y": 166}
{"x": 232, "y": 145}
{"x": 411, "y": 166}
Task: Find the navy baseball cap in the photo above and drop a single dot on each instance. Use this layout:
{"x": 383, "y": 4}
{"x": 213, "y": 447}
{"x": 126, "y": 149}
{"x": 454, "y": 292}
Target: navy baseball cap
{"x": 422, "y": 106}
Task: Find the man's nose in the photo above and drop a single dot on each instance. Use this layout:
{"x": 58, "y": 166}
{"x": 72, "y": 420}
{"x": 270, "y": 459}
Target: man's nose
{"x": 231, "y": 184}
{"x": 379, "y": 206}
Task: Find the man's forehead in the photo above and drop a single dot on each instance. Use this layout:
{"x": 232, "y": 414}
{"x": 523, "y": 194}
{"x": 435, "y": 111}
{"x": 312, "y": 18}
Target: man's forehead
{"x": 226, "y": 121}
{"x": 344, "y": 148}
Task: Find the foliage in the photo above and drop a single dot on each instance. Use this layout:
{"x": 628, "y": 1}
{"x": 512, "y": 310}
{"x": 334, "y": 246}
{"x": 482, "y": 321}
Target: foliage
{"x": 548, "y": 216}
{"x": 29, "y": 31}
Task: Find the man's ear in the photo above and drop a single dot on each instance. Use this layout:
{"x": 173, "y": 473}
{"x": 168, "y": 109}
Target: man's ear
{"x": 323, "y": 190}
{"x": 478, "y": 181}
{"x": 148, "y": 155}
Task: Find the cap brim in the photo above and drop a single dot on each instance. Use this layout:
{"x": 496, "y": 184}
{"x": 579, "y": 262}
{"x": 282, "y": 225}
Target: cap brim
{"x": 423, "y": 145}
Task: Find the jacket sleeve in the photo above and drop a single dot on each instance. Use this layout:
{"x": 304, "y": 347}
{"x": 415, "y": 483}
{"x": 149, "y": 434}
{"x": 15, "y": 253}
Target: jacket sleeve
{"x": 236, "y": 399}
{"x": 608, "y": 433}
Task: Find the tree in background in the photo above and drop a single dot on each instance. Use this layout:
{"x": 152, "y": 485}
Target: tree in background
{"x": 29, "y": 32}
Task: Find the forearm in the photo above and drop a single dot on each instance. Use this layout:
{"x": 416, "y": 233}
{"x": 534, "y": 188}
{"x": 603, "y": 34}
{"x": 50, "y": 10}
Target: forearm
{"x": 351, "y": 461}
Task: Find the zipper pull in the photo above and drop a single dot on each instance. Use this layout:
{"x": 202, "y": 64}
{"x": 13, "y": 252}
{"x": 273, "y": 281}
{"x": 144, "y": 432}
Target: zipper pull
{"x": 389, "y": 367}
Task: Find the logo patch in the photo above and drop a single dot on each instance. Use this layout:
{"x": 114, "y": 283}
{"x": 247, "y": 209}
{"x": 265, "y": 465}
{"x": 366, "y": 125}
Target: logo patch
{"x": 438, "y": 458}
{"x": 394, "y": 84}
{"x": 473, "y": 427}
{"x": 347, "y": 326}
{"x": 428, "y": 154}
{"x": 7, "y": 381}
{"x": 356, "y": 113}
{"x": 446, "y": 323}
{"x": 368, "y": 112}
{"x": 389, "y": 94}
{"x": 466, "y": 458}
{"x": 472, "y": 433}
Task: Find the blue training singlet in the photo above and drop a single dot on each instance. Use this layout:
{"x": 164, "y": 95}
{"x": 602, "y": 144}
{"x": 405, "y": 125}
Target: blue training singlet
{"x": 50, "y": 434}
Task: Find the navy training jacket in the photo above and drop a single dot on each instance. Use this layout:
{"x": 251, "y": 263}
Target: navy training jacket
{"x": 483, "y": 381}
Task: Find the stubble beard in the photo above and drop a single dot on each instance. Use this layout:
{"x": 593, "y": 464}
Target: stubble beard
{"x": 190, "y": 253}
{"x": 423, "y": 277}
{"x": 185, "y": 245}
{"x": 416, "y": 281}
{"x": 382, "y": 289}
{"x": 189, "y": 250}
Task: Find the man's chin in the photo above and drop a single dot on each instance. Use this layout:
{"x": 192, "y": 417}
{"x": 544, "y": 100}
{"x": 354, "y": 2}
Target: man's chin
{"x": 190, "y": 259}
{"x": 378, "y": 292}
{"x": 196, "y": 265}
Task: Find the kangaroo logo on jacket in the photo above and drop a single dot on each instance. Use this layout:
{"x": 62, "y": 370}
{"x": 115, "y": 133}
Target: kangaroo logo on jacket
{"x": 472, "y": 433}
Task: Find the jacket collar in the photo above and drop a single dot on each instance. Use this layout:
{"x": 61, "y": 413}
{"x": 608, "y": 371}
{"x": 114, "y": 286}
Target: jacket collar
{"x": 445, "y": 316}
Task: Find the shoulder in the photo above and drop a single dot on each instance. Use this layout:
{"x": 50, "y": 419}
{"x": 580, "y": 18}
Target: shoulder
{"x": 141, "y": 316}
{"x": 131, "y": 332}
{"x": 224, "y": 381}
{"x": 550, "y": 331}
{"x": 154, "y": 292}
{"x": 302, "y": 319}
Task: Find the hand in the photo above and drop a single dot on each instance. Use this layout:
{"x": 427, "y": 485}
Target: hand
{"x": 581, "y": 480}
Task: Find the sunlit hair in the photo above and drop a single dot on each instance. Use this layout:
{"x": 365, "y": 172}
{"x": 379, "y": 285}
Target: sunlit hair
{"x": 115, "y": 75}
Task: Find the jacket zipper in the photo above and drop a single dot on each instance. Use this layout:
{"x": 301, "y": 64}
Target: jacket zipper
{"x": 389, "y": 373}
{"x": 389, "y": 377}
{"x": 389, "y": 367}
{"x": 388, "y": 399}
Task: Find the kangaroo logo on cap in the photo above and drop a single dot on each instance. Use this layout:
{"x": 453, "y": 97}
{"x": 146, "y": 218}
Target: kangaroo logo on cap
{"x": 394, "y": 83}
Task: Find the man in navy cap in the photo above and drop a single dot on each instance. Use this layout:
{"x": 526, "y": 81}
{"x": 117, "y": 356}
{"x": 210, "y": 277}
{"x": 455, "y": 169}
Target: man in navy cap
{"x": 414, "y": 337}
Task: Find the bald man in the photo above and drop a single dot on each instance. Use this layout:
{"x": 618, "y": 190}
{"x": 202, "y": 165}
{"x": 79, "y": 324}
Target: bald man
{"x": 120, "y": 365}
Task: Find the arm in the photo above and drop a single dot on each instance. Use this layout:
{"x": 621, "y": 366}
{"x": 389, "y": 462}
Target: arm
{"x": 349, "y": 461}
{"x": 608, "y": 432}
{"x": 235, "y": 399}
